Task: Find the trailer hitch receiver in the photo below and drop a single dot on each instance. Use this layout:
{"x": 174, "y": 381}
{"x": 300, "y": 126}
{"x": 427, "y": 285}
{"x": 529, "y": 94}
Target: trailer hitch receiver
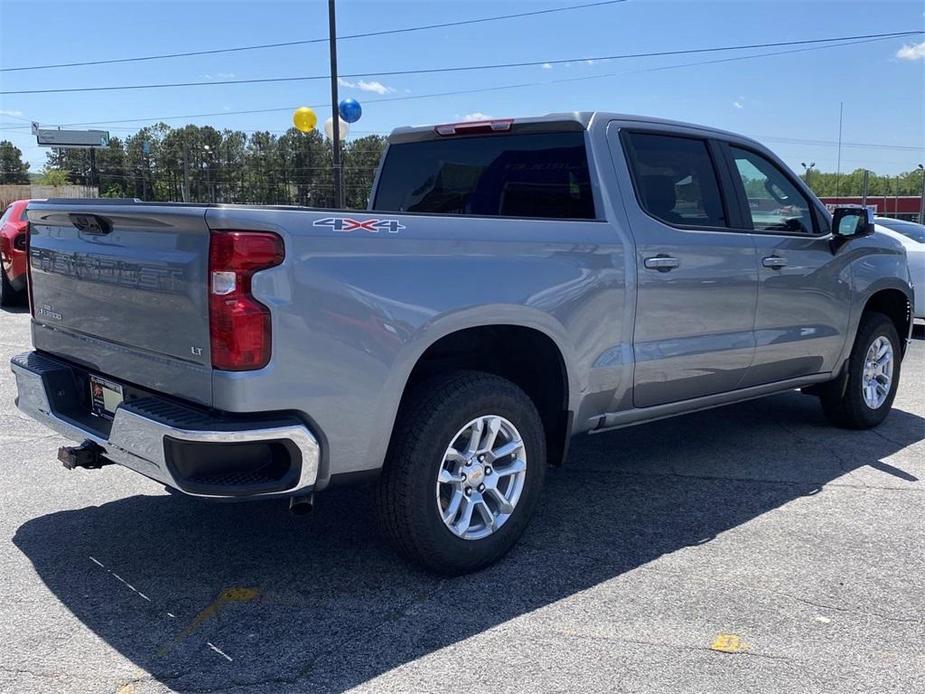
{"x": 88, "y": 455}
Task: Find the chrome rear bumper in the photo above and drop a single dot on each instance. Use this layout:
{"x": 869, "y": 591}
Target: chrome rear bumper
{"x": 136, "y": 437}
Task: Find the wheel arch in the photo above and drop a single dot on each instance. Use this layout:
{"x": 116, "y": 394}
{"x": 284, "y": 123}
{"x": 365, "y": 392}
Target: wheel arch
{"x": 528, "y": 348}
{"x": 896, "y": 304}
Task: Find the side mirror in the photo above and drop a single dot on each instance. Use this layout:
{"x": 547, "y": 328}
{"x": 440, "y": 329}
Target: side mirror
{"x": 851, "y": 222}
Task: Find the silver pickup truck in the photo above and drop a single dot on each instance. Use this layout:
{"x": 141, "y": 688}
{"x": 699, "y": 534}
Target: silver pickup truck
{"x": 512, "y": 283}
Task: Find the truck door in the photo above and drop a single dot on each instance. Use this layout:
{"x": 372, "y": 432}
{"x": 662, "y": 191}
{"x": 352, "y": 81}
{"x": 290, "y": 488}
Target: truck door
{"x": 697, "y": 279}
{"x": 804, "y": 290}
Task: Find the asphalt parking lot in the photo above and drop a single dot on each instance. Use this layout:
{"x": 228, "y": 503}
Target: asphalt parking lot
{"x": 747, "y": 549}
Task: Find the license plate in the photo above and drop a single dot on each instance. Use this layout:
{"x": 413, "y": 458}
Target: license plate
{"x": 105, "y": 397}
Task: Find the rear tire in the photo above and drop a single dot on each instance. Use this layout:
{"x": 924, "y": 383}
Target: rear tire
{"x": 8, "y": 296}
{"x": 422, "y": 496}
{"x": 870, "y": 384}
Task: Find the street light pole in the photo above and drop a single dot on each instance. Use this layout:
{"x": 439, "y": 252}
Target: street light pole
{"x": 335, "y": 115}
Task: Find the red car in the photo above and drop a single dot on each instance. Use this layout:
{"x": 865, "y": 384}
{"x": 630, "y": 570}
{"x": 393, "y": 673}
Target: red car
{"x": 13, "y": 226}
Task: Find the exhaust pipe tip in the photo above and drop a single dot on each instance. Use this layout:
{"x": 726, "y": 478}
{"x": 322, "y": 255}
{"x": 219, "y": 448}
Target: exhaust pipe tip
{"x": 301, "y": 505}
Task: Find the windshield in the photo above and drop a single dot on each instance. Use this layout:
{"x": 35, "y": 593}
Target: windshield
{"x": 911, "y": 230}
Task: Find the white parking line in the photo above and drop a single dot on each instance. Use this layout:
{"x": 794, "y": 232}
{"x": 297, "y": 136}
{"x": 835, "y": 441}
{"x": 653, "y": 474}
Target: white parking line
{"x": 145, "y": 597}
{"x": 219, "y": 651}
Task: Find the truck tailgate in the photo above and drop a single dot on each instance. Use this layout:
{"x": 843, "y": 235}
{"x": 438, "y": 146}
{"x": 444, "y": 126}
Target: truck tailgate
{"x": 122, "y": 289}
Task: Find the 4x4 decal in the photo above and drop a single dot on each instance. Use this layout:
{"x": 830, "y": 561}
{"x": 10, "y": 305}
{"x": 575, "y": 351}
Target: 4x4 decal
{"x": 374, "y": 226}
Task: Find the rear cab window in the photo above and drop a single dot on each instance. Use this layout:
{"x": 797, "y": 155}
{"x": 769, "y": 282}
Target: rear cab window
{"x": 675, "y": 179}
{"x": 533, "y": 174}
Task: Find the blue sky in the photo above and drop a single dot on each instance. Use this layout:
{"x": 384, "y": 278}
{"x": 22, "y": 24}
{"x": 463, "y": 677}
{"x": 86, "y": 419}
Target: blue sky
{"x": 790, "y": 102}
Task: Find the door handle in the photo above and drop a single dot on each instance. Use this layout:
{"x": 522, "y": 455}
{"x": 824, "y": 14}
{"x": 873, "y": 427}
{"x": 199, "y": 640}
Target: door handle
{"x": 662, "y": 263}
{"x": 774, "y": 261}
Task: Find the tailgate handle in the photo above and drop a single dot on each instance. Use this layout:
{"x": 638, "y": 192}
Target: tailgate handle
{"x": 91, "y": 223}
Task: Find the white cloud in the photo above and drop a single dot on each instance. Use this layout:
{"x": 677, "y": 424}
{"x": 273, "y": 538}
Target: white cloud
{"x": 374, "y": 86}
{"x": 547, "y": 66}
{"x": 11, "y": 114}
{"x": 590, "y": 62}
{"x": 914, "y": 52}
{"x": 362, "y": 85}
{"x": 739, "y": 103}
{"x": 218, "y": 76}
{"x": 478, "y": 115}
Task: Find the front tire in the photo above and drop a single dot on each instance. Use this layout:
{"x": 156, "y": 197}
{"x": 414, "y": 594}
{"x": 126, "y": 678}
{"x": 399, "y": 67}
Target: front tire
{"x": 464, "y": 472}
{"x": 872, "y": 376}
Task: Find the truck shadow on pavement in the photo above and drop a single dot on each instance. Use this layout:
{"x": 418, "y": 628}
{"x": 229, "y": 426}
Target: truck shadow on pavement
{"x": 210, "y": 596}
{"x": 13, "y": 309}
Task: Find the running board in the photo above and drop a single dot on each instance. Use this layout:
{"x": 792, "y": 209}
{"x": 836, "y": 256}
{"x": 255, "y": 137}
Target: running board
{"x": 617, "y": 420}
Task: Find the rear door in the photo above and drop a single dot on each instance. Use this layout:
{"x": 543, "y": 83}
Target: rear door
{"x": 122, "y": 289}
{"x": 697, "y": 279}
{"x": 804, "y": 291}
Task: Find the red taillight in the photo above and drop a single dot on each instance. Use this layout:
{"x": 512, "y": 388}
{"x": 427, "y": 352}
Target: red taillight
{"x": 498, "y": 125}
{"x": 239, "y": 325}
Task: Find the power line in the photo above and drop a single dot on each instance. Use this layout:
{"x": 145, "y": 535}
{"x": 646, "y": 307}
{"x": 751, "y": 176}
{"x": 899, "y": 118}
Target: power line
{"x": 462, "y": 92}
{"x": 833, "y": 143}
{"x": 535, "y": 84}
{"x": 303, "y": 42}
{"x": 464, "y": 68}
{"x": 477, "y": 90}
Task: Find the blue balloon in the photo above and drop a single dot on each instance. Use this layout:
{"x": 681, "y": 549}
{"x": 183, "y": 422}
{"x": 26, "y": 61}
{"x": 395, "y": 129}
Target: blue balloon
{"x": 350, "y": 110}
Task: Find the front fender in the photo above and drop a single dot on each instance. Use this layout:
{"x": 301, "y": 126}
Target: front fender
{"x": 879, "y": 264}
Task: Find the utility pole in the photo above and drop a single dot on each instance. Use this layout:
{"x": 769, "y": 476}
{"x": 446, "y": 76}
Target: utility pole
{"x": 93, "y": 176}
{"x": 207, "y": 160}
{"x": 896, "y": 199}
{"x": 144, "y": 178}
{"x": 145, "y": 163}
{"x": 335, "y": 113}
{"x": 922, "y": 197}
{"x": 807, "y": 168}
{"x": 865, "y": 187}
{"x": 841, "y": 112}
{"x": 185, "y": 174}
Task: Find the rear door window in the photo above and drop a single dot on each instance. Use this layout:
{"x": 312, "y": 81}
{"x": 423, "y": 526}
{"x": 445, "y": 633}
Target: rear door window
{"x": 675, "y": 179}
{"x": 6, "y": 214}
{"x": 543, "y": 175}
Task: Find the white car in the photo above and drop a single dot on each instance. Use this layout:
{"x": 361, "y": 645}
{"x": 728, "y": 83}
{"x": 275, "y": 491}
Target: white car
{"x": 912, "y": 236}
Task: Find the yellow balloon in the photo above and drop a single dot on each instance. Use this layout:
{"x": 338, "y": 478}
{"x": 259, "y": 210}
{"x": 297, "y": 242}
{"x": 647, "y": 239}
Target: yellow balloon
{"x": 304, "y": 119}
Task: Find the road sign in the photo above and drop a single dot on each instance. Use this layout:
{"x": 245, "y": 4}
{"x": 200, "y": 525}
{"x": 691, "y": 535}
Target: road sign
{"x": 56, "y": 137}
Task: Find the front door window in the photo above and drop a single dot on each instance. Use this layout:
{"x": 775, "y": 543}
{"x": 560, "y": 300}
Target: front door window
{"x": 775, "y": 203}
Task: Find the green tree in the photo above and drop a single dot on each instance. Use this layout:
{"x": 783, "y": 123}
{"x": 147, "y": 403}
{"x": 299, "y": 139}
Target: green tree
{"x": 361, "y": 159}
{"x": 852, "y": 184}
{"x": 75, "y": 161}
{"x": 12, "y": 168}
{"x": 54, "y": 177}
{"x": 307, "y": 157}
{"x": 160, "y": 162}
{"x": 110, "y": 165}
